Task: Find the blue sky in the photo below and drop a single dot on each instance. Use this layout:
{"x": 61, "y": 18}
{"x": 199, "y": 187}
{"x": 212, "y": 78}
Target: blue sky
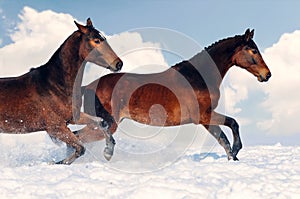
{"x": 205, "y": 22}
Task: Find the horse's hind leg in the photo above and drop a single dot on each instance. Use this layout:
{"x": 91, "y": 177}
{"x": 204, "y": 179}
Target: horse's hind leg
{"x": 217, "y": 132}
{"x": 64, "y": 134}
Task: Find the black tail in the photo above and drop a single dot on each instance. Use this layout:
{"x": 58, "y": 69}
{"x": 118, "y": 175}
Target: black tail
{"x": 94, "y": 107}
{"x": 83, "y": 90}
{"x": 89, "y": 101}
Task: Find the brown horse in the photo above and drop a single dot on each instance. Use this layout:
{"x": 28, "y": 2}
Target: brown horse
{"x": 42, "y": 98}
{"x": 186, "y": 93}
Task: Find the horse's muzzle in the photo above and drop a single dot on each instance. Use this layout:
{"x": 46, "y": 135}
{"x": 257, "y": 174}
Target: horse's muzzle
{"x": 117, "y": 67}
{"x": 265, "y": 79}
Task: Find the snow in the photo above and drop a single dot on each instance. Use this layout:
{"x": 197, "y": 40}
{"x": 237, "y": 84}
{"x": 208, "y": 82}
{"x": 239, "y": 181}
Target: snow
{"x": 200, "y": 172}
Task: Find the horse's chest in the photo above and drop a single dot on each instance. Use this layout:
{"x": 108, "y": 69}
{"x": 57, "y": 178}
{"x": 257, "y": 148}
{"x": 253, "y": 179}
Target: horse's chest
{"x": 208, "y": 99}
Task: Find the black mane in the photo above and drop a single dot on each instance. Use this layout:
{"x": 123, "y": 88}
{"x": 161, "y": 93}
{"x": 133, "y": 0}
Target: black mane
{"x": 237, "y": 37}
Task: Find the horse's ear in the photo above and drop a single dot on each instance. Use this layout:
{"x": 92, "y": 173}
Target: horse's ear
{"x": 89, "y": 23}
{"x": 81, "y": 28}
{"x": 249, "y": 34}
{"x": 252, "y": 33}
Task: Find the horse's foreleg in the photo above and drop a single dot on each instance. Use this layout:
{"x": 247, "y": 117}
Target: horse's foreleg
{"x": 219, "y": 119}
{"x": 219, "y": 135}
{"x": 65, "y": 135}
{"x": 91, "y": 133}
{"x": 97, "y": 129}
{"x": 237, "y": 143}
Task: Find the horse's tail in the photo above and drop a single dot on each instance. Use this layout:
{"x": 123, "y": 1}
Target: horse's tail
{"x": 83, "y": 88}
{"x": 89, "y": 101}
{"x": 94, "y": 107}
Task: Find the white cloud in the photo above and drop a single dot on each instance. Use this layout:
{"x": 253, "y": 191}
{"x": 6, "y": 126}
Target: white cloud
{"x": 138, "y": 56}
{"x": 283, "y": 88}
{"x": 235, "y": 90}
{"x": 36, "y": 38}
{"x": 234, "y": 93}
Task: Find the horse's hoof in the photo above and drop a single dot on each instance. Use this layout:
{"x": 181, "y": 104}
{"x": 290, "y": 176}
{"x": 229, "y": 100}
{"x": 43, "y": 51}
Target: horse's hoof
{"x": 62, "y": 162}
{"x": 232, "y": 158}
{"x": 235, "y": 158}
{"x": 108, "y": 153}
{"x": 104, "y": 124}
{"x": 107, "y": 156}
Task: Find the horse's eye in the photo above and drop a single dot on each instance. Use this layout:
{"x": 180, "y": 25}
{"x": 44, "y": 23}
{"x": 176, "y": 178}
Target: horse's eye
{"x": 97, "y": 41}
{"x": 254, "y": 51}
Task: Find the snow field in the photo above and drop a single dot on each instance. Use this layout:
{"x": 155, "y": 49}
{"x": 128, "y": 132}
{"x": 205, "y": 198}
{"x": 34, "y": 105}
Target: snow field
{"x": 262, "y": 172}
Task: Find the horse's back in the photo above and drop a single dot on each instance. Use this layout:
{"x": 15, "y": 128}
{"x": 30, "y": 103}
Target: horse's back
{"x": 19, "y": 104}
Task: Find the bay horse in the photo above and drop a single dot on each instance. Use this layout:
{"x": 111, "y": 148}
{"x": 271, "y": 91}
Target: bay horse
{"x": 41, "y": 100}
{"x": 188, "y": 92}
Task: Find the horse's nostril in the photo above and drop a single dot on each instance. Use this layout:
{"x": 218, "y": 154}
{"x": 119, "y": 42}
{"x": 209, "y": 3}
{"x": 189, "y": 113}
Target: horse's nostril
{"x": 119, "y": 65}
{"x": 269, "y": 75}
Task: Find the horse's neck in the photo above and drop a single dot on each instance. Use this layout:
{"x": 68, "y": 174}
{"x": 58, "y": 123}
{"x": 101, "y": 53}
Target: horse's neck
{"x": 214, "y": 62}
{"x": 66, "y": 66}
{"x": 207, "y": 68}
{"x": 222, "y": 52}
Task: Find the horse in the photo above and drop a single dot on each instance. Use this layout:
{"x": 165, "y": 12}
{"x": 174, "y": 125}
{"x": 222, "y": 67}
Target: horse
{"x": 41, "y": 100}
{"x": 187, "y": 92}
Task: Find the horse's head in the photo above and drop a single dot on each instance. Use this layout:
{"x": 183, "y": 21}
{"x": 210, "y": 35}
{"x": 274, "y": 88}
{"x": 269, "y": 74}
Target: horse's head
{"x": 247, "y": 56}
{"x": 95, "y": 48}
